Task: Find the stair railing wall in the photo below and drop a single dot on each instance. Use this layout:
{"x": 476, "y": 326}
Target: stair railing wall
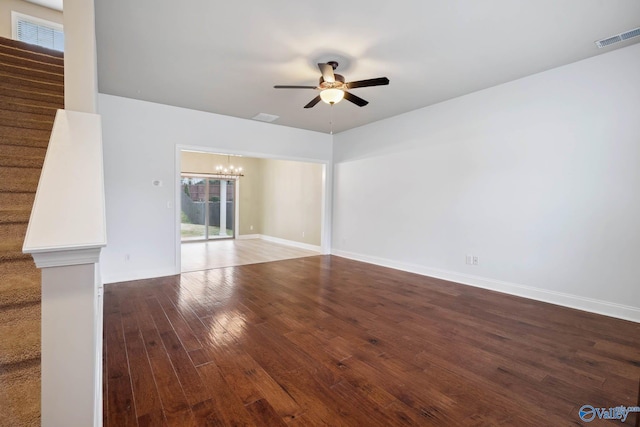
{"x": 65, "y": 235}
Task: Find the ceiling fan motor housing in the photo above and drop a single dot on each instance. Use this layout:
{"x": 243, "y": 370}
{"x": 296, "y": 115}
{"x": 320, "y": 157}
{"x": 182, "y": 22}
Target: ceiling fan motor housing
{"x": 338, "y": 84}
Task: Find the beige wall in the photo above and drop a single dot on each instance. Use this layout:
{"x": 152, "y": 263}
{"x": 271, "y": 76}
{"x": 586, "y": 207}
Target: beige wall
{"x": 6, "y": 6}
{"x": 292, "y": 200}
{"x": 278, "y": 198}
{"x": 250, "y": 196}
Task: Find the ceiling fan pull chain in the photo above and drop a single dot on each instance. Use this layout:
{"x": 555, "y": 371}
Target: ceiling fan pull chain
{"x": 331, "y": 117}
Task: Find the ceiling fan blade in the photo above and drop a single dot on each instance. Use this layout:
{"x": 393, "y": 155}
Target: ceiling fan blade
{"x": 293, "y": 87}
{"x": 327, "y": 72}
{"x": 355, "y": 99}
{"x": 313, "y": 102}
{"x": 380, "y": 81}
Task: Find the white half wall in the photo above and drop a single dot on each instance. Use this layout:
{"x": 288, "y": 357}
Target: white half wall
{"x": 538, "y": 178}
{"x": 140, "y": 144}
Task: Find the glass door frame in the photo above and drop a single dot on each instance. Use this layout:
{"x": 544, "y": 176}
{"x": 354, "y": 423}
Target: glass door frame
{"x": 234, "y": 214}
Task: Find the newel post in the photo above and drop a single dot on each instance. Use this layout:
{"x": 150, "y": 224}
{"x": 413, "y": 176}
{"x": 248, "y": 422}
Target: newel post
{"x": 71, "y": 338}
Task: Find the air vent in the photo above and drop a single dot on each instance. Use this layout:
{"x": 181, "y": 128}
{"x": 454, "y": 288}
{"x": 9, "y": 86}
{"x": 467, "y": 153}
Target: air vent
{"x": 264, "y": 117}
{"x": 618, "y": 38}
{"x": 630, "y": 34}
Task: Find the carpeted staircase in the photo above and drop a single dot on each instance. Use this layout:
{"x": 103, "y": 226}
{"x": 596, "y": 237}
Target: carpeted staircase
{"x": 31, "y": 89}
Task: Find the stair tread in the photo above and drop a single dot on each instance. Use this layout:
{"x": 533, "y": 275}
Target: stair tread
{"x": 9, "y": 214}
{"x": 8, "y": 81}
{"x": 10, "y": 150}
{"x": 18, "y": 132}
{"x": 23, "y": 141}
{"x": 24, "y": 266}
{"x": 28, "y": 123}
{"x": 19, "y": 180}
{"x": 18, "y": 75}
{"x": 22, "y": 90}
{"x": 38, "y": 81}
{"x": 13, "y": 56}
{"x": 17, "y": 199}
{"x": 32, "y": 50}
{"x": 25, "y": 106}
{"x": 13, "y": 230}
{"x": 20, "y": 289}
{"x": 46, "y": 116}
{"x": 35, "y": 96}
{"x": 21, "y": 161}
{"x": 20, "y": 331}
{"x": 11, "y": 249}
{"x": 20, "y": 395}
{"x": 23, "y": 69}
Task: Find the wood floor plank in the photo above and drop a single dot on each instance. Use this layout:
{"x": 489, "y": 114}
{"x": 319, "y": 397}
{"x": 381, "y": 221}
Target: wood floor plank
{"x": 145, "y": 392}
{"x": 242, "y": 368}
{"x": 208, "y": 414}
{"x": 120, "y": 398}
{"x": 324, "y": 340}
{"x": 175, "y": 406}
{"x": 152, "y": 419}
{"x": 264, "y": 414}
{"x": 251, "y": 382}
{"x": 179, "y": 324}
{"x": 226, "y": 408}
{"x": 185, "y": 371}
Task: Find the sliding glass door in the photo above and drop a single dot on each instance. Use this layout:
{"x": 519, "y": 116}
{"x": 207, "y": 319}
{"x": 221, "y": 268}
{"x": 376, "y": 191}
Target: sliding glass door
{"x": 221, "y": 208}
{"x": 208, "y": 208}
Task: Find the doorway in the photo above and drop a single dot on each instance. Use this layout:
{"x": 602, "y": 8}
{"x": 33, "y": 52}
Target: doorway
{"x": 207, "y": 208}
{"x": 276, "y": 202}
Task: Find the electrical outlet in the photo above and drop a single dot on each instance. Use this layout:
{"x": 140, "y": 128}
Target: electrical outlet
{"x": 303, "y": 234}
{"x": 475, "y": 260}
{"x": 251, "y": 227}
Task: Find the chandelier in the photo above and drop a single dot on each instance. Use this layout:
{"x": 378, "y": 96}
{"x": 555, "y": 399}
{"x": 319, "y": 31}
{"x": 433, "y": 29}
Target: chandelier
{"x": 229, "y": 171}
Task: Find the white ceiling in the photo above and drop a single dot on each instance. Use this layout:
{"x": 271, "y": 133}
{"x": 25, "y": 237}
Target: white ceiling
{"x": 225, "y": 56}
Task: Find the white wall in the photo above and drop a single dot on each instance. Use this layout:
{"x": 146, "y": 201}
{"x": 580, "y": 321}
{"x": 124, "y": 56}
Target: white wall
{"x": 140, "y": 140}
{"x": 539, "y": 178}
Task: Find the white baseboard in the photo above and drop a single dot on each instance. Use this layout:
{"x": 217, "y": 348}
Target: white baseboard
{"x": 247, "y": 236}
{"x": 138, "y": 275}
{"x": 291, "y": 243}
{"x": 567, "y": 300}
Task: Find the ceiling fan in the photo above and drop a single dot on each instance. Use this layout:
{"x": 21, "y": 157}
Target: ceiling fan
{"x": 333, "y": 88}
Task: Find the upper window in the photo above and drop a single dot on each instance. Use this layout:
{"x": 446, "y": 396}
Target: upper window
{"x": 37, "y": 31}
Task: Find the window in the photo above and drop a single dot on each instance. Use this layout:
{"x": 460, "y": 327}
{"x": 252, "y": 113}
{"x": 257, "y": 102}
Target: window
{"x": 37, "y": 31}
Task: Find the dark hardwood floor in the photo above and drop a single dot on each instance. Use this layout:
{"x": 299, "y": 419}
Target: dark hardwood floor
{"x": 328, "y": 341}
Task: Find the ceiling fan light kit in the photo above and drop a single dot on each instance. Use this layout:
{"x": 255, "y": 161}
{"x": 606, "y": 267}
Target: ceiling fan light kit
{"x": 333, "y": 88}
{"x": 332, "y": 96}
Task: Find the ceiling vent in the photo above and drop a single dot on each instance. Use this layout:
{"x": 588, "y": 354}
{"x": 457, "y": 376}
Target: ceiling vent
{"x": 264, "y": 117}
{"x": 618, "y": 38}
